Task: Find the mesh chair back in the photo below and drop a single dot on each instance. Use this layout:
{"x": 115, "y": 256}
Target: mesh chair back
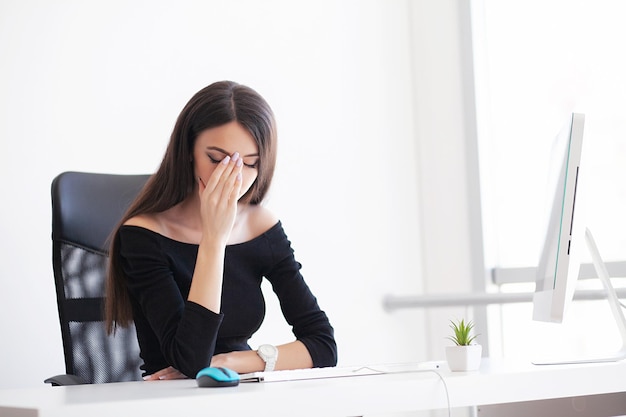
{"x": 85, "y": 209}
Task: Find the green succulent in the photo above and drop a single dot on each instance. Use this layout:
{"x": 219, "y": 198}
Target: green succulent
{"x": 462, "y": 332}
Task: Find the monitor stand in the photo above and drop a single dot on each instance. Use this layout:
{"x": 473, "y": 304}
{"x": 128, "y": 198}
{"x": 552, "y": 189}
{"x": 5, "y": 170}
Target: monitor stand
{"x": 614, "y": 303}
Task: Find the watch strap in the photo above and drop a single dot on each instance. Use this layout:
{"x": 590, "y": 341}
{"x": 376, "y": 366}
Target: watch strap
{"x": 269, "y": 354}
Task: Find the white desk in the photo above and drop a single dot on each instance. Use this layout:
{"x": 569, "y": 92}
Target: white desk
{"x": 494, "y": 383}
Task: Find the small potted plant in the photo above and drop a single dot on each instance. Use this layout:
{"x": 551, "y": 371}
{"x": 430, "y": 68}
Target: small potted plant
{"x": 464, "y": 355}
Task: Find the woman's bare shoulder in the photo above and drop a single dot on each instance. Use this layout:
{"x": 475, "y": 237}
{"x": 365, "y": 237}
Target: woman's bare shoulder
{"x": 254, "y": 220}
{"x": 261, "y": 219}
{"x": 147, "y": 221}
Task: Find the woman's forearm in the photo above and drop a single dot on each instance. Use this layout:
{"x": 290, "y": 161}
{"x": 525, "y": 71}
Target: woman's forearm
{"x": 293, "y": 355}
{"x": 206, "y": 283}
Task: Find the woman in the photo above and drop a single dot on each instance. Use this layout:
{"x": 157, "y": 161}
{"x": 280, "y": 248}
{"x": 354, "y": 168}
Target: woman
{"x": 187, "y": 260}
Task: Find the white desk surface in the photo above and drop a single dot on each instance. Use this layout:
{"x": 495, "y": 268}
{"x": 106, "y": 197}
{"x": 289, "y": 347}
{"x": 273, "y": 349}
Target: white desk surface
{"x": 495, "y": 383}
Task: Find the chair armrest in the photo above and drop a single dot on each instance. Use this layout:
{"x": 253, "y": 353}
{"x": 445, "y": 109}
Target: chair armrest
{"x": 65, "y": 379}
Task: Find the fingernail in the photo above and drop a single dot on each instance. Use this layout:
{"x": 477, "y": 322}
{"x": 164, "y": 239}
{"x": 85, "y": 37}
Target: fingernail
{"x": 235, "y": 156}
{"x": 239, "y": 162}
{"x": 226, "y": 160}
{"x": 239, "y": 176}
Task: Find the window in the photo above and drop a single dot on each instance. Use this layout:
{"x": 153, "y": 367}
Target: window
{"x": 536, "y": 62}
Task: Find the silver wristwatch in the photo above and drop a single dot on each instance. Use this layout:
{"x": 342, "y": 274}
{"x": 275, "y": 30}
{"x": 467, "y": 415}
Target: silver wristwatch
{"x": 269, "y": 354}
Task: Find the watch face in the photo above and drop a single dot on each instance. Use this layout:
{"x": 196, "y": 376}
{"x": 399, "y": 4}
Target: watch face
{"x": 268, "y": 350}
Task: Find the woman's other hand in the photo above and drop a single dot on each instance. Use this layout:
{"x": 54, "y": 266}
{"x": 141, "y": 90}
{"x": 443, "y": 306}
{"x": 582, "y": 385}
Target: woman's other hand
{"x": 163, "y": 374}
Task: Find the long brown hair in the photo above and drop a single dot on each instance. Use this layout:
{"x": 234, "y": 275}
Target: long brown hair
{"x": 215, "y": 105}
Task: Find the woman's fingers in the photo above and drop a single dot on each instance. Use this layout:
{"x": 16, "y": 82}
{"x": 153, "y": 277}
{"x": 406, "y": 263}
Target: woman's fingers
{"x": 222, "y": 170}
{"x": 232, "y": 182}
{"x": 219, "y": 197}
{"x": 224, "y": 177}
{"x": 214, "y": 178}
{"x": 234, "y": 194}
{"x": 167, "y": 373}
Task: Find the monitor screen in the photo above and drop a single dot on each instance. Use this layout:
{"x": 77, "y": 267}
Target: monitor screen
{"x": 559, "y": 264}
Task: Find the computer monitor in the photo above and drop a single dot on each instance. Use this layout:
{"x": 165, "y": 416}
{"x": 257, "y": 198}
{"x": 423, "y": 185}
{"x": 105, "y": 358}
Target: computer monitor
{"x": 559, "y": 264}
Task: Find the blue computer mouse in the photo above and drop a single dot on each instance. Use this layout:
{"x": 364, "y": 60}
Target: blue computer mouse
{"x": 217, "y": 377}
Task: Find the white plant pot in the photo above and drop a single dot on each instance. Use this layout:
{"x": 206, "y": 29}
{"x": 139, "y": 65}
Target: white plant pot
{"x": 464, "y": 358}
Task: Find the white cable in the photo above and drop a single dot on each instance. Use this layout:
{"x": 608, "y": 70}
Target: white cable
{"x": 445, "y": 387}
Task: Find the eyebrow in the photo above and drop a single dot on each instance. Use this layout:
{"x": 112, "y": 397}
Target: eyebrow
{"x": 215, "y": 148}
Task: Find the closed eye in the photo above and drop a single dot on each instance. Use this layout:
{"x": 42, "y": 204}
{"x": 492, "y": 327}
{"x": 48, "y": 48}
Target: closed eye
{"x": 213, "y": 159}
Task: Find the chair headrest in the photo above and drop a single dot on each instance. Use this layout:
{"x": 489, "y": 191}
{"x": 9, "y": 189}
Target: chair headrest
{"x": 87, "y": 206}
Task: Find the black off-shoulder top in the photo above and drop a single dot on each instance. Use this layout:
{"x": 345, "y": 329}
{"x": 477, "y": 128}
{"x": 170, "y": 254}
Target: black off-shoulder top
{"x": 173, "y": 331}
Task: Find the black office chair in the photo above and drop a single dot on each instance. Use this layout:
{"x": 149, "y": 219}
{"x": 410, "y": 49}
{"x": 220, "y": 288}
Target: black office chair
{"x": 85, "y": 209}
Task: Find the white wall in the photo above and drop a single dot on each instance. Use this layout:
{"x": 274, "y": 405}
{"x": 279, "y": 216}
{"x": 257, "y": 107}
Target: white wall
{"x": 96, "y": 86}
